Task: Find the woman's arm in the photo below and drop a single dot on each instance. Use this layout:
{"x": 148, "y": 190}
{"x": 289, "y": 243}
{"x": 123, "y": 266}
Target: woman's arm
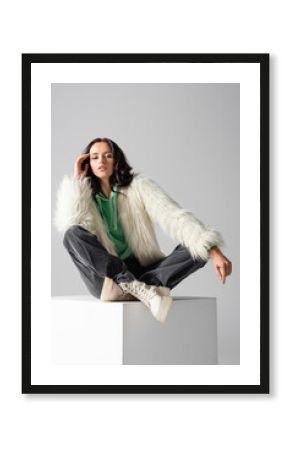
{"x": 72, "y": 202}
{"x": 179, "y": 223}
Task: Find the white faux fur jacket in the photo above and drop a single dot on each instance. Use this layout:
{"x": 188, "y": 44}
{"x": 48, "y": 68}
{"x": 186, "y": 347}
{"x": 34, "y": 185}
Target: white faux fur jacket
{"x": 145, "y": 202}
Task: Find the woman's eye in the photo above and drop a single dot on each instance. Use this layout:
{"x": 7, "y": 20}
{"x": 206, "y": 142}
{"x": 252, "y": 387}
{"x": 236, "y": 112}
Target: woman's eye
{"x": 108, "y": 156}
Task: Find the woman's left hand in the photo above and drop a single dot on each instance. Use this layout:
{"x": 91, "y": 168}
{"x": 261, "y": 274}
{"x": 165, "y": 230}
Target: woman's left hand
{"x": 223, "y": 265}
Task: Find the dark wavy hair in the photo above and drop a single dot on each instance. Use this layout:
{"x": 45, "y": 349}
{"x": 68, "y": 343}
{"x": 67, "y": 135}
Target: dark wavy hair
{"x": 121, "y": 175}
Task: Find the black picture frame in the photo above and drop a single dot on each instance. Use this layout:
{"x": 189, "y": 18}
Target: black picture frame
{"x": 263, "y": 60}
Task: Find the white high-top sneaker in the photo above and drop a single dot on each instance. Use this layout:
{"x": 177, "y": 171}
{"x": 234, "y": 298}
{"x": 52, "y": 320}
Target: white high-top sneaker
{"x": 156, "y": 298}
{"x": 112, "y": 292}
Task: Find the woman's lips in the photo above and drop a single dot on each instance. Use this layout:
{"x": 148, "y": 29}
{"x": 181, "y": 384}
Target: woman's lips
{"x": 102, "y": 168}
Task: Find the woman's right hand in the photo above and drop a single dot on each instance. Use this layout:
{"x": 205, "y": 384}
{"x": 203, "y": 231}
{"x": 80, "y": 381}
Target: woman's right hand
{"x": 78, "y": 165}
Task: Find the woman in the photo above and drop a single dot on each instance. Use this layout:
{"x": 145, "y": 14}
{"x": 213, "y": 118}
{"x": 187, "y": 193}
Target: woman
{"x": 106, "y": 214}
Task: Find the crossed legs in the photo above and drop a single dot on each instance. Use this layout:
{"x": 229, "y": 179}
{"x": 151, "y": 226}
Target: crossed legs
{"x": 94, "y": 263}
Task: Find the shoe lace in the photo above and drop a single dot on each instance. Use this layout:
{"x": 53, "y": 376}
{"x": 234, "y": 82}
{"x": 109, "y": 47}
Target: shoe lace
{"x": 140, "y": 289}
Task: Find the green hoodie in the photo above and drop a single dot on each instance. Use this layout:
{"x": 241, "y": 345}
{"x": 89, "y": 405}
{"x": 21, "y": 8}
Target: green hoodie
{"x": 108, "y": 210}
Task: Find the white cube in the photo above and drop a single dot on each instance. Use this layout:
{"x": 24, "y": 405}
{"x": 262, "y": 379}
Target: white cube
{"x": 85, "y": 330}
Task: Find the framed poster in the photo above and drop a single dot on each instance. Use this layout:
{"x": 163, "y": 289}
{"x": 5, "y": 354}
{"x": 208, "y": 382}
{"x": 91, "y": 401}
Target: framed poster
{"x": 145, "y": 207}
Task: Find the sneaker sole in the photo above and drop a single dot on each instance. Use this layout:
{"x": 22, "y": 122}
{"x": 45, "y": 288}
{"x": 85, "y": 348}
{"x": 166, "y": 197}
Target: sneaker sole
{"x": 163, "y": 311}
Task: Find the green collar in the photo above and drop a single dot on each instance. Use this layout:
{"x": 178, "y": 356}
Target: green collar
{"x": 112, "y": 193}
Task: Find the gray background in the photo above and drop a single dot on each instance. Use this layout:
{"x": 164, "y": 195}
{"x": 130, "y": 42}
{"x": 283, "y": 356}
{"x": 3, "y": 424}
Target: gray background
{"x": 184, "y": 136}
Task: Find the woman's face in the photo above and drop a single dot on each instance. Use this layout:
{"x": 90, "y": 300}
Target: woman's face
{"x": 101, "y": 160}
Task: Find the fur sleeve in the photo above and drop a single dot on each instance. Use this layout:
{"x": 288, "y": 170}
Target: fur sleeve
{"x": 179, "y": 223}
{"x": 72, "y": 201}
